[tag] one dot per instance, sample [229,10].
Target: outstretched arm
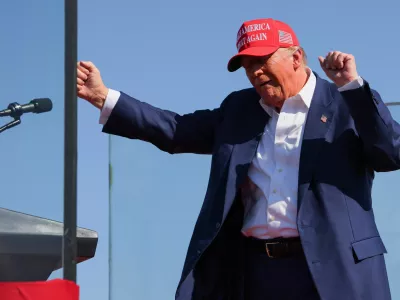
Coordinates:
[131,118]
[169,131]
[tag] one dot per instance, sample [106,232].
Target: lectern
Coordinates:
[31,246]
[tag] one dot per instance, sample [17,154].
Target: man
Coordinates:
[287,213]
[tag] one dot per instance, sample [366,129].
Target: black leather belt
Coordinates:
[276,248]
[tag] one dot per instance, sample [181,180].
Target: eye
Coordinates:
[250,63]
[246,62]
[260,60]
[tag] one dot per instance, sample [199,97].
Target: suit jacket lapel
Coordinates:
[319,120]
[248,137]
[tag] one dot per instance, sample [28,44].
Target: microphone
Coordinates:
[36,106]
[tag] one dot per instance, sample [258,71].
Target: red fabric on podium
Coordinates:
[56,289]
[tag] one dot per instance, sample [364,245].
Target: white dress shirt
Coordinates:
[270,195]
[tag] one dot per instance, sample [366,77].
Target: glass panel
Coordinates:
[387,207]
[152,217]
[156,197]
[32,66]
[153,212]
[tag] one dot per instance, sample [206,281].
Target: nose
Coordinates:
[257,72]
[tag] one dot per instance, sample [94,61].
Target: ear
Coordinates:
[297,59]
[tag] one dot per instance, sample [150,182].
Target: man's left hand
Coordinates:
[339,67]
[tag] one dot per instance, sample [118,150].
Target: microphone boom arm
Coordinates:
[11,124]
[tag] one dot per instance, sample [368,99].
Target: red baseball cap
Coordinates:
[261,37]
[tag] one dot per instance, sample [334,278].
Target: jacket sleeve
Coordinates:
[379,132]
[167,130]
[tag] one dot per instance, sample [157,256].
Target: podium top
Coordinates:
[13,222]
[26,234]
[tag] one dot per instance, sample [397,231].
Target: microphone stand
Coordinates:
[16,114]
[11,124]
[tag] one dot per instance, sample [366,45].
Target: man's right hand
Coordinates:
[90,86]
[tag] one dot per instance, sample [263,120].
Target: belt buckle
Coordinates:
[267,249]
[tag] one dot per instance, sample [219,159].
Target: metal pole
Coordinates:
[70,142]
[110,222]
[392,103]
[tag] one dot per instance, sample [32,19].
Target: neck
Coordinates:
[299,81]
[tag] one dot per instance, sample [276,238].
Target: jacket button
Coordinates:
[218,225]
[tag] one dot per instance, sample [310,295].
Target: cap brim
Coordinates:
[235,62]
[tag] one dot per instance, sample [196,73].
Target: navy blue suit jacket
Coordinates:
[343,248]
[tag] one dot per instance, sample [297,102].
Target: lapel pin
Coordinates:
[324,118]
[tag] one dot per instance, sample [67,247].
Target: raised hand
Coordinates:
[339,67]
[90,86]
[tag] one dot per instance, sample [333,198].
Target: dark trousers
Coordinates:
[268,278]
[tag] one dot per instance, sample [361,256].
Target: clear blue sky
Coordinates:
[172,54]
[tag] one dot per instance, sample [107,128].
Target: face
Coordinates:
[275,77]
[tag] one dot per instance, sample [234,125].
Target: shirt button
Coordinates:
[274,191]
[280,170]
